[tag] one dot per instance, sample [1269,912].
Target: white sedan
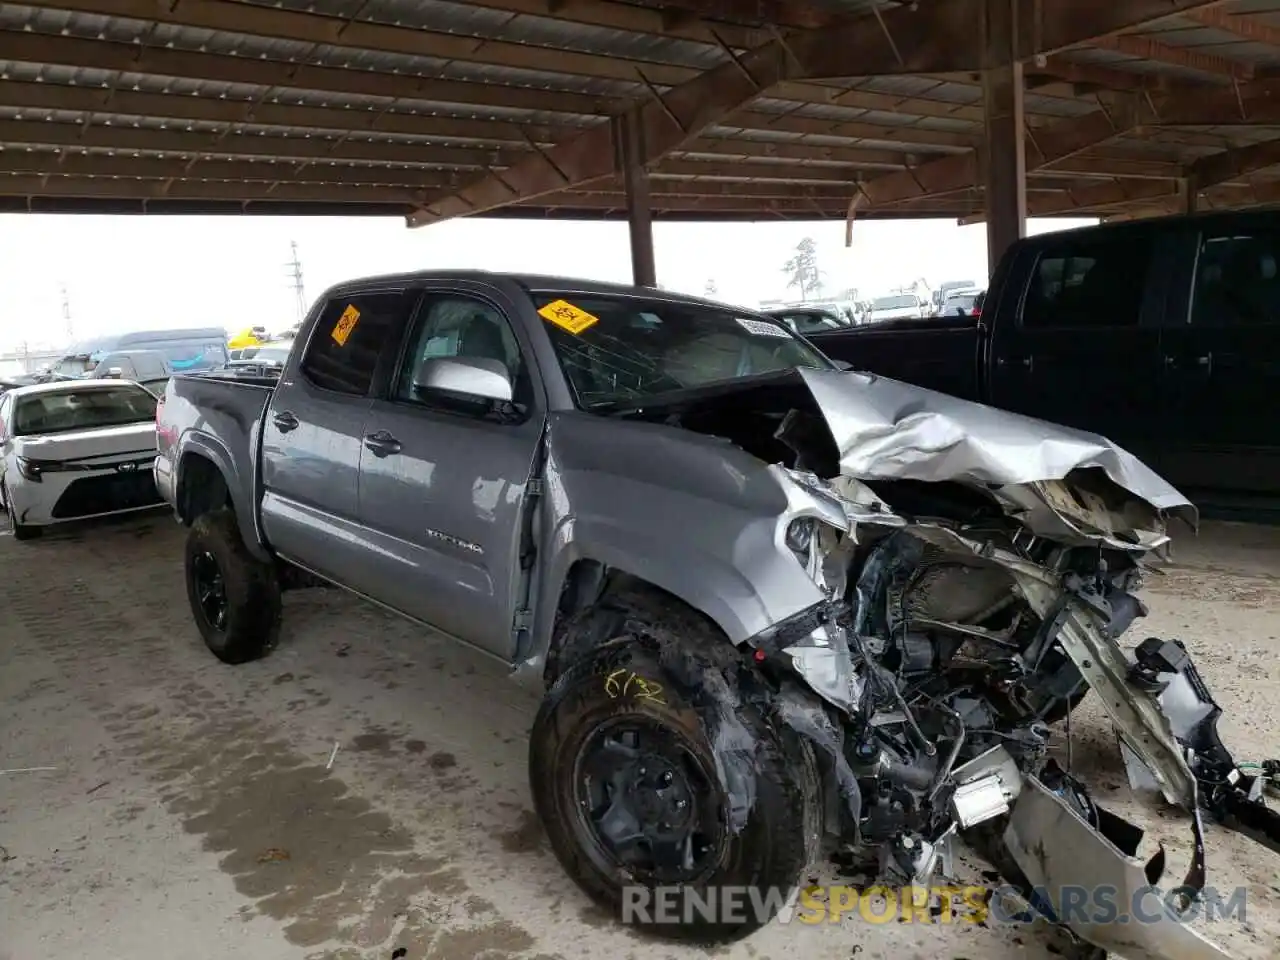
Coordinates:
[73,449]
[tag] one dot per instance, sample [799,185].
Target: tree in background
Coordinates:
[802,269]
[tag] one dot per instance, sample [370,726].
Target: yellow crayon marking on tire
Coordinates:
[623,681]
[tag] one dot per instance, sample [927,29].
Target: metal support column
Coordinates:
[1003,153]
[629,150]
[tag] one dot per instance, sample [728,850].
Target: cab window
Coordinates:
[349,337]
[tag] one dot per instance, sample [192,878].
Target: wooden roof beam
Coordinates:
[1148,48]
[1242,25]
[1230,164]
[1045,145]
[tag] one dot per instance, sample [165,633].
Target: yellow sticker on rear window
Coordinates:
[346,323]
[568,317]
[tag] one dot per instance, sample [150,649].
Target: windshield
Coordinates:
[615,348]
[894,303]
[87,408]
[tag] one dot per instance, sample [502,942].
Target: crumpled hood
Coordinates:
[888,430]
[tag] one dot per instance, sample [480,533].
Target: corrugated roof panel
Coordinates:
[825,111]
[782,163]
[1255,7]
[947,125]
[1108,58]
[1181,32]
[1246,51]
[764,136]
[958,93]
[1056,107]
[886,119]
[888,143]
[230,43]
[462,19]
[905,85]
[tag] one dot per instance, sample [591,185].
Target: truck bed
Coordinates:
[219,417]
[940,353]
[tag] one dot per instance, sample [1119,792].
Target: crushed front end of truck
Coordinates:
[973,573]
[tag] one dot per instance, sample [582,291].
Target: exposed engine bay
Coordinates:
[976,574]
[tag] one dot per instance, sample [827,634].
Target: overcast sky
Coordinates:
[145,272]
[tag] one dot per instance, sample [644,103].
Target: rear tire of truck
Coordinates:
[234,596]
[628,761]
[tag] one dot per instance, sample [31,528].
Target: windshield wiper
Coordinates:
[612,406]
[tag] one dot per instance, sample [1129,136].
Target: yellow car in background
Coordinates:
[248,337]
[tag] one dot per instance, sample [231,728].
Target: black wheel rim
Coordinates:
[647,807]
[211,590]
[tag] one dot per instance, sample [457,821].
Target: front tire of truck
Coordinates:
[234,596]
[663,789]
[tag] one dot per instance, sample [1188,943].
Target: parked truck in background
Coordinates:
[1163,335]
[943,290]
[895,307]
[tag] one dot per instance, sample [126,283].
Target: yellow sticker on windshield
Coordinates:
[346,323]
[568,317]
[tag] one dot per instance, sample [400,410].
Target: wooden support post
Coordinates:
[635,177]
[1190,187]
[1003,154]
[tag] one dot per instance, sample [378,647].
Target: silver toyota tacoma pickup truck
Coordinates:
[778,608]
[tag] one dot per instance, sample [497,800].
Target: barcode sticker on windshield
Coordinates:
[762,329]
[346,323]
[568,317]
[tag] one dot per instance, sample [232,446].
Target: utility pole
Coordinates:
[66,313]
[294,267]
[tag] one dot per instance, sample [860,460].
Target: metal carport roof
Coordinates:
[437,108]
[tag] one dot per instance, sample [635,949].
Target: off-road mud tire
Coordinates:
[703,678]
[252,587]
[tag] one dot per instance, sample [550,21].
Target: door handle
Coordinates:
[1028,362]
[381,443]
[285,421]
[1202,364]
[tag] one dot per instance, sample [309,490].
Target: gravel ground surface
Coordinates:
[191,810]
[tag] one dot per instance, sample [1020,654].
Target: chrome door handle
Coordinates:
[381,444]
[285,421]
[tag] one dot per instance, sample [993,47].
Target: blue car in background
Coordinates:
[190,350]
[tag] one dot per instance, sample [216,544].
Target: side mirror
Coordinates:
[843,364]
[470,376]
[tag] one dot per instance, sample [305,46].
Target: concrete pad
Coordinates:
[192,810]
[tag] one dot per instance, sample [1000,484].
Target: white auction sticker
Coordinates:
[762,329]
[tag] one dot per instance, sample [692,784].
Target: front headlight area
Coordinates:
[821,528]
[824,551]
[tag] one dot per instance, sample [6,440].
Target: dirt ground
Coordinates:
[191,809]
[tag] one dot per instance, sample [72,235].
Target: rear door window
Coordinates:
[1237,280]
[1096,282]
[349,337]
